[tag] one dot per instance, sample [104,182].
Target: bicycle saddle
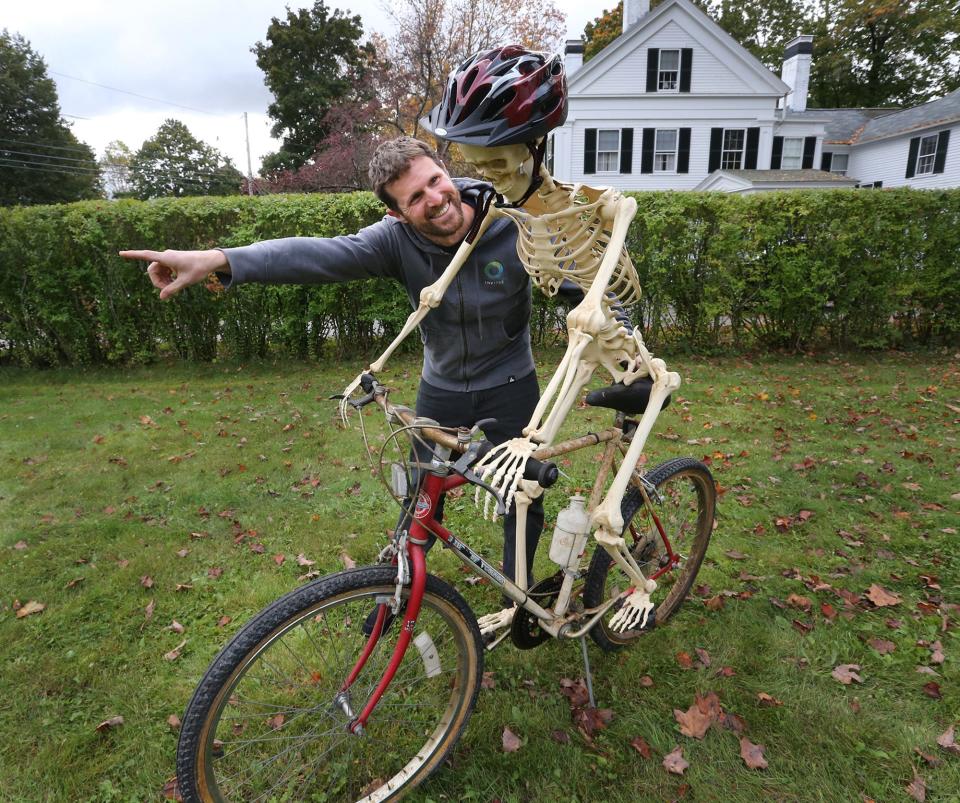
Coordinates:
[629,399]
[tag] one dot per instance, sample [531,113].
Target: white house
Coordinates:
[676,103]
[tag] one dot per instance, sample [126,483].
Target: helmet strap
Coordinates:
[480,212]
[537,151]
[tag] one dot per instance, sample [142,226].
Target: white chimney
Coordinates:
[796,71]
[572,56]
[632,11]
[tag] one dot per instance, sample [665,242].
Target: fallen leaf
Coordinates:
[510,741]
[928,759]
[733,722]
[214,572]
[828,611]
[733,554]
[797,601]
[174,722]
[488,681]
[575,691]
[917,789]
[175,652]
[768,699]
[258,548]
[882,646]
[947,741]
[31,607]
[148,611]
[146,581]
[646,681]
[590,720]
[171,790]
[348,562]
[303,560]
[685,661]
[704,656]
[725,672]
[20,545]
[882,598]
[639,744]
[223,621]
[279,558]
[847,673]
[275,722]
[693,722]
[176,627]
[714,603]
[107,724]
[560,737]
[674,761]
[936,653]
[752,754]
[932,690]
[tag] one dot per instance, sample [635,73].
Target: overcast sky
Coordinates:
[180,53]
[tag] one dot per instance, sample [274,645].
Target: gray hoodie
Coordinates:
[477,338]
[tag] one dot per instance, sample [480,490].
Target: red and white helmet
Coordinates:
[504,96]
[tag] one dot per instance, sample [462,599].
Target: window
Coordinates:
[731,157]
[838,164]
[792,158]
[608,150]
[926,155]
[668,74]
[665,151]
[548,154]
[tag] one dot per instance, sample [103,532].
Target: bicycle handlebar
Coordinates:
[542,472]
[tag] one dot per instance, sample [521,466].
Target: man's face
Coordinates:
[429,202]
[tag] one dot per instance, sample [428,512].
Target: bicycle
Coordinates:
[320,697]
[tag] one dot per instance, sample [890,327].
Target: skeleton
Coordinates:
[577,233]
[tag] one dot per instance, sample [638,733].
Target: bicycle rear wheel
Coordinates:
[685,510]
[268,723]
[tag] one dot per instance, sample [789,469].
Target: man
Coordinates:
[477,358]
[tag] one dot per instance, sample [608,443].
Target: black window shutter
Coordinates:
[809,146]
[653,64]
[753,145]
[776,156]
[626,150]
[877,185]
[683,151]
[826,160]
[590,151]
[940,160]
[716,148]
[646,152]
[912,157]
[686,67]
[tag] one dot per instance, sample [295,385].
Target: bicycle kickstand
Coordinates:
[586,670]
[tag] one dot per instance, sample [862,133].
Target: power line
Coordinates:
[44,145]
[69,170]
[134,94]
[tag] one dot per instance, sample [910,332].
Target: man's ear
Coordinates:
[398,215]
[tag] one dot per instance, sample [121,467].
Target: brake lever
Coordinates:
[462,467]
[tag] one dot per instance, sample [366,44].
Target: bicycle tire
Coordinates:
[685,486]
[289,662]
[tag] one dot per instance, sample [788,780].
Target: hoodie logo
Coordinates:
[493,272]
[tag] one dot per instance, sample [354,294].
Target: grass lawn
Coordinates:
[153,511]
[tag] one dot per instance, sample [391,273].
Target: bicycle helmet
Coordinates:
[503,96]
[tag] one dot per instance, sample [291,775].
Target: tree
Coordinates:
[602,31]
[174,163]
[312,61]
[41,161]
[432,37]
[115,169]
[873,53]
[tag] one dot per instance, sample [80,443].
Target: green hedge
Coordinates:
[772,270]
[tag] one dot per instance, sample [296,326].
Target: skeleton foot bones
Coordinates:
[503,468]
[634,614]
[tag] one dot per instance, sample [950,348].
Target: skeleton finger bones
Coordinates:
[345,398]
[503,468]
[634,614]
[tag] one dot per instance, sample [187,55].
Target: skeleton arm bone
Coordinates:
[430,298]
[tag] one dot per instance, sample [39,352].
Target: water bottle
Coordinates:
[570,534]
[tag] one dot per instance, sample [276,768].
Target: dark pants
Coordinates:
[511,405]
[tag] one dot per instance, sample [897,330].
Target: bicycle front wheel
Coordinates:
[269,720]
[683,507]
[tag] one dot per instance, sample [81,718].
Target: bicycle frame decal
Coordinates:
[423,506]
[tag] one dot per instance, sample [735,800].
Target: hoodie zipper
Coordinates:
[463,329]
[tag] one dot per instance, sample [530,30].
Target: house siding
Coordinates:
[886,161]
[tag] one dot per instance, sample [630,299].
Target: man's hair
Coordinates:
[391,160]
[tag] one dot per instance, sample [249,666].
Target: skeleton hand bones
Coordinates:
[503,468]
[635,612]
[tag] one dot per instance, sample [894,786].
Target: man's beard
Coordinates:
[446,229]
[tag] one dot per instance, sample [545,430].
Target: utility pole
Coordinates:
[246,130]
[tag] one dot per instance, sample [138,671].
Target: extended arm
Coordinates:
[170,271]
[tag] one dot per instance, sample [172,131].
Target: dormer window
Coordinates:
[668,72]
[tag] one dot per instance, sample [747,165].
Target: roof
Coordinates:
[934,112]
[745,180]
[841,126]
[626,42]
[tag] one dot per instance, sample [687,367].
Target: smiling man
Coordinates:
[477,358]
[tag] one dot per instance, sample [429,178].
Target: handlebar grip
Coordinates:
[542,472]
[367,381]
